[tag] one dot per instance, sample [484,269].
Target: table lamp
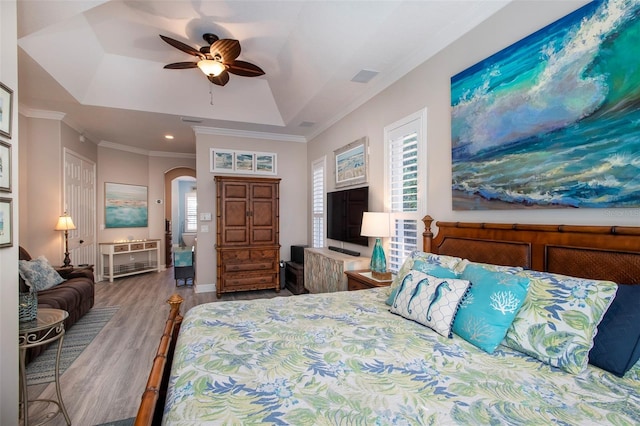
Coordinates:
[65,223]
[376,224]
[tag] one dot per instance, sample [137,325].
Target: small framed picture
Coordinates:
[351,163]
[265,163]
[6,104]
[244,162]
[5,167]
[221,160]
[6,221]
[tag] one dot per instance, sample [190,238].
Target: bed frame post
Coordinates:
[427,235]
[152,404]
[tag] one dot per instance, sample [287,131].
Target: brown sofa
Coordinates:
[75,295]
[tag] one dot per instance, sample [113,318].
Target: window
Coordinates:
[317,182]
[191,212]
[405,184]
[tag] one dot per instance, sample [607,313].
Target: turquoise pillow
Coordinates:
[490,306]
[428,268]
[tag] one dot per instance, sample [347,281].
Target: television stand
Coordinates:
[324,269]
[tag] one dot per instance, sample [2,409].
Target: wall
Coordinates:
[43,142]
[427,86]
[9,256]
[120,166]
[291,168]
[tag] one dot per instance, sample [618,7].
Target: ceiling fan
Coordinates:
[216,60]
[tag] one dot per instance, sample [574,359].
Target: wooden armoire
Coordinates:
[248,236]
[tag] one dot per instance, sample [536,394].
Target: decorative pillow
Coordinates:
[460,267]
[616,347]
[39,274]
[429,300]
[433,264]
[490,306]
[558,320]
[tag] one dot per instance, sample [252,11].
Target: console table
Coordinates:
[324,269]
[122,258]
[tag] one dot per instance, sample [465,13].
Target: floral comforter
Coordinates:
[343,358]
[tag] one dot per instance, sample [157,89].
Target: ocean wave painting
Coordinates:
[554,119]
[125,206]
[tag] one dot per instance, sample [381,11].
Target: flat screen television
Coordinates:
[344,215]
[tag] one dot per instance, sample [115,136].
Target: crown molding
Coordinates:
[219,131]
[134,150]
[40,113]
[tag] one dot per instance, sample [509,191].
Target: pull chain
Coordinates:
[211,92]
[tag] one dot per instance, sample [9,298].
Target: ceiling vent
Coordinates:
[364,76]
[190,120]
[307,124]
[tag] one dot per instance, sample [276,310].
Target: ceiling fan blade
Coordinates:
[228,49]
[181,65]
[181,46]
[244,69]
[220,80]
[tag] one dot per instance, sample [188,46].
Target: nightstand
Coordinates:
[362,279]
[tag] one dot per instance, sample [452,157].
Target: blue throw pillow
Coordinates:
[616,347]
[429,269]
[39,274]
[490,306]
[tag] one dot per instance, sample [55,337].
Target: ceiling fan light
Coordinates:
[211,67]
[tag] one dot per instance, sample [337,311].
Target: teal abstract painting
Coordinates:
[125,206]
[554,119]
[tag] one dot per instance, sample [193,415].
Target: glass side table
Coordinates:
[47,327]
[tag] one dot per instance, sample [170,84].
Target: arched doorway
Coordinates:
[169,207]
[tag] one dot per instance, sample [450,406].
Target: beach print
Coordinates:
[125,206]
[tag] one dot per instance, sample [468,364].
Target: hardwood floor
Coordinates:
[106,381]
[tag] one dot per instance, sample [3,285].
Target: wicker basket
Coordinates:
[28,306]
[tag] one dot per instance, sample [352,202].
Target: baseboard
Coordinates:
[204,288]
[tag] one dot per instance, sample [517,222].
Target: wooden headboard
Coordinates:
[596,252]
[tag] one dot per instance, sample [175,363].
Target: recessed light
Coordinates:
[170,137]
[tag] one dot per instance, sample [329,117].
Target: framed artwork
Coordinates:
[6,221]
[552,120]
[6,103]
[351,163]
[244,162]
[265,163]
[126,206]
[221,160]
[5,167]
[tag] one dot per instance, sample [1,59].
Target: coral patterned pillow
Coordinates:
[490,306]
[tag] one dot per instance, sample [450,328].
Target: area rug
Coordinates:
[76,339]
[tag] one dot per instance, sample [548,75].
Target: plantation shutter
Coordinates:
[318,208]
[191,213]
[404,198]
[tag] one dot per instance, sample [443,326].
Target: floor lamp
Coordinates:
[65,223]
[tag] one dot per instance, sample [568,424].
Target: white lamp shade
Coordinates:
[211,67]
[65,223]
[375,224]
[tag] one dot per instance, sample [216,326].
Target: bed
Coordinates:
[357,358]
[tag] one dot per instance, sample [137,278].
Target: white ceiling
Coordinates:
[100,63]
